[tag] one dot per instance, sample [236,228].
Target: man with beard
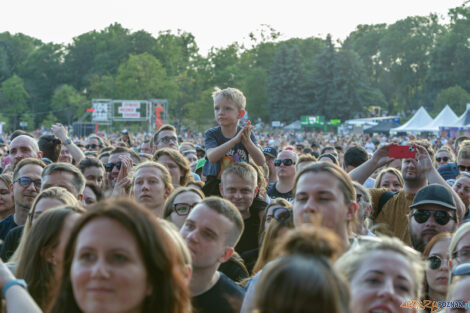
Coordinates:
[433,211]
[392,209]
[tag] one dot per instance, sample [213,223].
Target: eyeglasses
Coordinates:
[286,162]
[441,217]
[93,146]
[168,139]
[26,181]
[183,209]
[443,159]
[435,262]
[462,255]
[280,214]
[109,166]
[464,168]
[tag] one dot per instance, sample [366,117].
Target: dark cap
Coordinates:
[124,131]
[272,152]
[434,194]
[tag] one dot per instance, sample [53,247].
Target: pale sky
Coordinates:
[213,22]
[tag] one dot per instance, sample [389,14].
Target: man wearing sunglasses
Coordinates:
[417,173]
[26,185]
[462,188]
[285,171]
[433,211]
[120,163]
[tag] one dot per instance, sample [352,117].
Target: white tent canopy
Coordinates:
[446,118]
[464,120]
[416,123]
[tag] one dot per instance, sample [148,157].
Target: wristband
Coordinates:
[19,282]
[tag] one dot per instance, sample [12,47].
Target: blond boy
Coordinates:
[228,143]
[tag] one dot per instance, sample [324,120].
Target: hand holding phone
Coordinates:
[402,152]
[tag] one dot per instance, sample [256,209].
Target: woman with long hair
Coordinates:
[41,260]
[119,259]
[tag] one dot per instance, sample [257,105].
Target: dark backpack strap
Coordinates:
[383,199]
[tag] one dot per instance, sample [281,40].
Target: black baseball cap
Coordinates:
[434,194]
[272,152]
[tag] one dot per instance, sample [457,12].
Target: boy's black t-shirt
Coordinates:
[238,153]
[224,297]
[249,238]
[6,225]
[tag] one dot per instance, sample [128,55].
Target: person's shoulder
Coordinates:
[229,286]
[213,130]
[6,220]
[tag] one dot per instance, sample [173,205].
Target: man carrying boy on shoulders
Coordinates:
[228,143]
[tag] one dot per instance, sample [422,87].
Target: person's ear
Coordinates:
[227,254]
[149,290]
[352,209]
[221,189]
[451,265]
[241,114]
[40,155]
[80,197]
[167,193]
[11,188]
[187,274]
[256,190]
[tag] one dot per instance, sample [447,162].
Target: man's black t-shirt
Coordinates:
[224,297]
[6,225]
[273,193]
[11,243]
[249,238]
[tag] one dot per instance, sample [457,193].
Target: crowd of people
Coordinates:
[235,220]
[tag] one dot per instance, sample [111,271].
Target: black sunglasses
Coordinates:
[93,146]
[444,159]
[183,209]
[286,162]
[441,217]
[435,262]
[464,168]
[109,166]
[26,181]
[279,214]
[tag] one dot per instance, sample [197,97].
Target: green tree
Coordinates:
[339,87]
[451,55]
[143,77]
[28,119]
[456,97]
[49,120]
[68,104]
[404,53]
[284,85]
[13,98]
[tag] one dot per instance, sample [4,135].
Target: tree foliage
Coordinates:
[419,60]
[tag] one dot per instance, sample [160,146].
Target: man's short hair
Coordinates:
[50,146]
[134,156]
[169,127]
[355,156]
[323,151]
[24,162]
[78,180]
[90,162]
[241,169]
[230,211]
[233,94]
[424,143]
[19,132]
[100,140]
